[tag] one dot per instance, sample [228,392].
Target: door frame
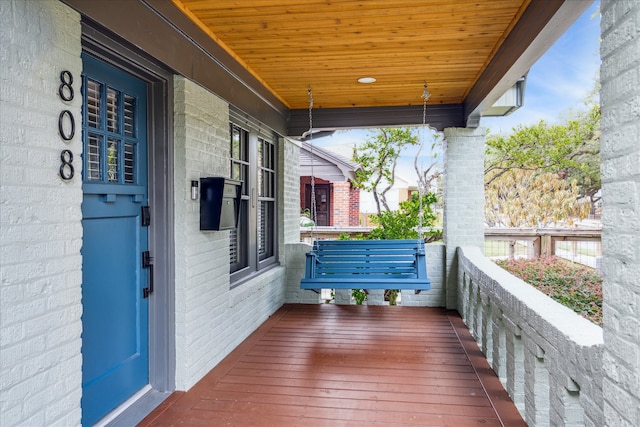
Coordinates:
[308,195]
[162,360]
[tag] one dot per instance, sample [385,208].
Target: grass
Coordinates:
[573,285]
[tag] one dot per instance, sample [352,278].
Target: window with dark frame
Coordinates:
[253,160]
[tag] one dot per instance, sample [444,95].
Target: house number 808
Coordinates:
[66,93]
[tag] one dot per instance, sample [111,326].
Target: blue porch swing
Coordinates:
[364,264]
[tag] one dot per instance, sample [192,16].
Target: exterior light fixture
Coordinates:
[366,80]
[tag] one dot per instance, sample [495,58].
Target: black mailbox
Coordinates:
[219,203]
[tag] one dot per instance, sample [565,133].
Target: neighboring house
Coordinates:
[337,201]
[111,113]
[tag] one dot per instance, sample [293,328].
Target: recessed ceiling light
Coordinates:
[366,80]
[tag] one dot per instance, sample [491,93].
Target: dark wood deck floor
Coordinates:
[332,365]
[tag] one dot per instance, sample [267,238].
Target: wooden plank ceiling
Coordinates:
[291,45]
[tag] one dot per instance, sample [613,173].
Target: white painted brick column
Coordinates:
[536,383]
[343,297]
[295,267]
[40,217]
[515,363]
[292,251]
[463,199]
[620,149]
[376,297]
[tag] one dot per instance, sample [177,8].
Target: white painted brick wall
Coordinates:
[40,218]
[533,339]
[290,177]
[463,198]
[211,319]
[620,149]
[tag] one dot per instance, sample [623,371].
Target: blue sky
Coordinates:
[561,79]
[557,83]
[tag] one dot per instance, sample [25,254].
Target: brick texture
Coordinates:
[620,149]
[345,201]
[548,358]
[40,228]
[463,198]
[211,318]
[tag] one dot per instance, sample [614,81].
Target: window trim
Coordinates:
[252,199]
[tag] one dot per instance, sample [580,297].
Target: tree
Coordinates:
[430,173]
[525,198]
[378,158]
[560,161]
[587,174]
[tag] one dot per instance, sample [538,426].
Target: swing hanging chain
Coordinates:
[425,96]
[314,208]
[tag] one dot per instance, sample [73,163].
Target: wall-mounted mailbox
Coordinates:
[219,203]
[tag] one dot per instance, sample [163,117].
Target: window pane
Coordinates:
[113,124]
[233,247]
[235,142]
[112,160]
[236,171]
[265,230]
[93,104]
[238,241]
[129,163]
[94,165]
[129,116]
[265,177]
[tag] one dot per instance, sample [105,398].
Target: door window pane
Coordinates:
[112,160]
[129,116]
[113,124]
[110,151]
[92,153]
[129,162]
[93,104]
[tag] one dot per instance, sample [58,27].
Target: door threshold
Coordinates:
[134,409]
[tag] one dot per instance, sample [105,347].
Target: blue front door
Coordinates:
[115,312]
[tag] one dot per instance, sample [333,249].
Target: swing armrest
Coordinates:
[310,267]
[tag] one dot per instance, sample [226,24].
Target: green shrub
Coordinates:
[573,285]
[404,223]
[360,295]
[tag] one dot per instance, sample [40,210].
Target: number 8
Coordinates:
[66,168]
[67,81]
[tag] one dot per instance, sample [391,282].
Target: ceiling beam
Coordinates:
[438,116]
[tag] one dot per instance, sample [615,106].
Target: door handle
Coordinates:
[147,262]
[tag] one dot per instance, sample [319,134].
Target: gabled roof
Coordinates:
[322,163]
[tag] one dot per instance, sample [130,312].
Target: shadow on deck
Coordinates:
[333,365]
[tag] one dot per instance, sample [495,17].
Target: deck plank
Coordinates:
[330,365]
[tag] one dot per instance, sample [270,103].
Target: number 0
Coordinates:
[67,135]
